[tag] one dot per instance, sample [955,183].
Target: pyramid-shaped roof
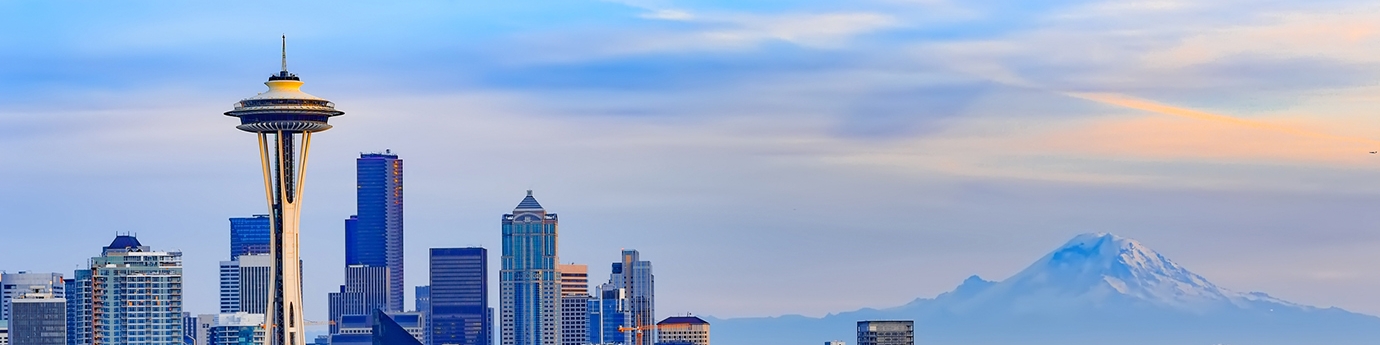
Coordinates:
[124,241]
[528,203]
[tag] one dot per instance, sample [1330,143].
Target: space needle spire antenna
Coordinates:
[284,118]
[284,53]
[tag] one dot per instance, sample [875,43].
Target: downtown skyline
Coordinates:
[685,160]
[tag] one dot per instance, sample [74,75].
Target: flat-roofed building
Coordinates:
[688,330]
[889,332]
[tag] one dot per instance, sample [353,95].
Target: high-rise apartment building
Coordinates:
[634,277]
[38,318]
[250,235]
[682,330]
[574,304]
[135,296]
[530,287]
[886,332]
[459,297]
[14,284]
[365,290]
[374,236]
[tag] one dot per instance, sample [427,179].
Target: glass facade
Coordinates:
[529,282]
[459,297]
[250,235]
[374,236]
[634,276]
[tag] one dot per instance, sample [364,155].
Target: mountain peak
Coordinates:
[1102,265]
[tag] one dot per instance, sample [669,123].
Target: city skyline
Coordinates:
[1236,143]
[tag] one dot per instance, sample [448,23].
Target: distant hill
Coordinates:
[1097,289]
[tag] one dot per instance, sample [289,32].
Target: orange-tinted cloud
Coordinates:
[1204,138]
[1159,108]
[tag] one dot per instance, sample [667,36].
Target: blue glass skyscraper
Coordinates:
[374,237]
[250,235]
[459,303]
[530,285]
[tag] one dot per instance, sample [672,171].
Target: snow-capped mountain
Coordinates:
[1092,270]
[1095,289]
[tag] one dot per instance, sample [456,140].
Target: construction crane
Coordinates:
[639,330]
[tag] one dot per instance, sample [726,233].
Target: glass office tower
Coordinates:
[374,236]
[459,297]
[529,282]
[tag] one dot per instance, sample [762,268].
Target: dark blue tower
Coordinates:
[459,297]
[250,235]
[374,237]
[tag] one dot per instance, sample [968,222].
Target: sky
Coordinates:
[769,157]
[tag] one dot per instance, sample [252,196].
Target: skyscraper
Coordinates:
[634,277]
[374,236]
[250,235]
[284,118]
[38,318]
[574,304]
[365,289]
[886,332]
[14,284]
[136,295]
[459,292]
[530,287]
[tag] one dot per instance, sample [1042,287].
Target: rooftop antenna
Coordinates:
[284,53]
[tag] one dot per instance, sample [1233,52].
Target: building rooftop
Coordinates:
[679,320]
[125,242]
[528,203]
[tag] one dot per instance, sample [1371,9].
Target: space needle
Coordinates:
[284,118]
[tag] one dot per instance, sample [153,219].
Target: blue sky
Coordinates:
[770,157]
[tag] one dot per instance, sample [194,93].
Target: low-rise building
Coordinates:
[686,330]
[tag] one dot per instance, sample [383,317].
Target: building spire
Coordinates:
[285,53]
